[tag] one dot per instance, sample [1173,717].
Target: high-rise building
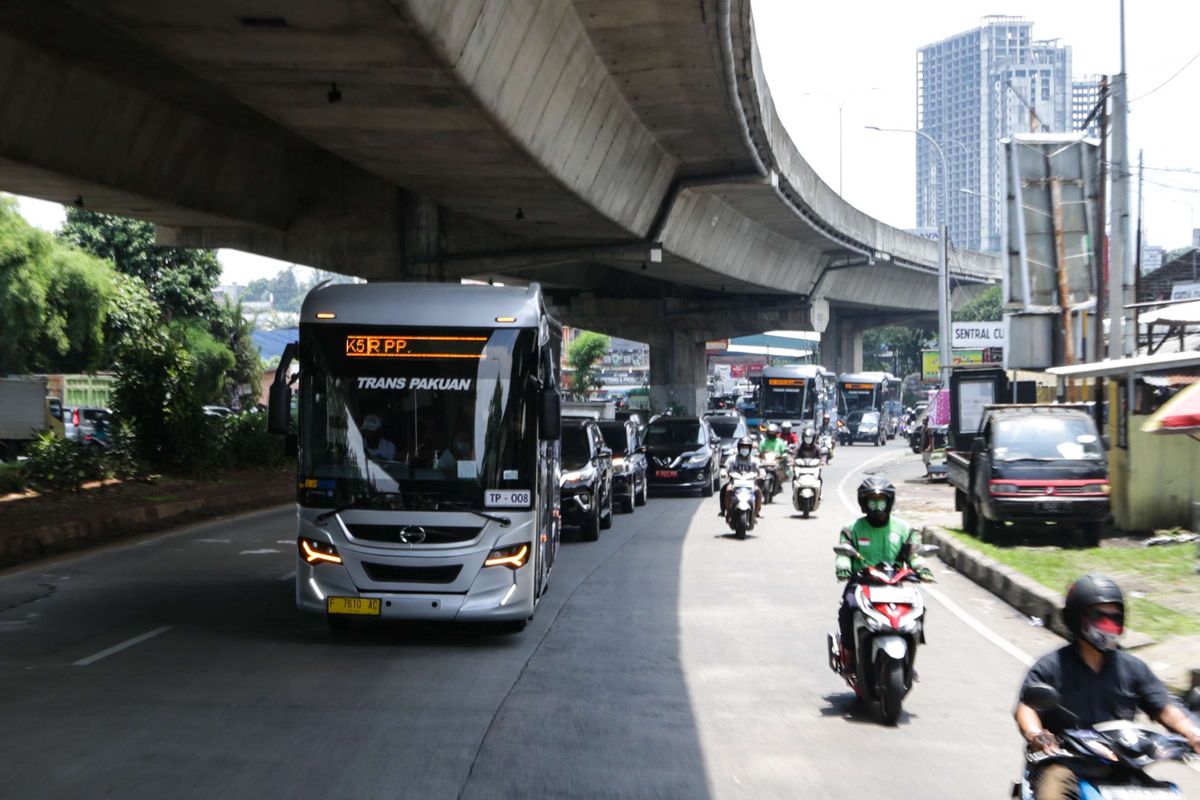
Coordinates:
[974,90]
[1085,95]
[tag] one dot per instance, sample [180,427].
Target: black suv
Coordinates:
[683,453]
[629,463]
[586,479]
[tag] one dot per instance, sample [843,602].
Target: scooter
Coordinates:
[806,485]
[774,473]
[1122,748]
[739,510]
[827,445]
[888,626]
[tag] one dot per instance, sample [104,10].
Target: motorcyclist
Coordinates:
[826,425]
[808,445]
[880,538]
[742,460]
[787,434]
[772,443]
[1097,680]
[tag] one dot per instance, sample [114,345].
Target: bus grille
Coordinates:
[412,534]
[387,573]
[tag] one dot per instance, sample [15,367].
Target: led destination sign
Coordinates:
[387,346]
[785,381]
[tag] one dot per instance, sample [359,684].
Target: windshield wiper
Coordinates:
[1032,458]
[353,502]
[504,521]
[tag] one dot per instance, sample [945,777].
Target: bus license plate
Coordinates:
[667,473]
[506,498]
[363,606]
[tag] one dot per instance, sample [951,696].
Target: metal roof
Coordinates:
[1126,366]
[1179,314]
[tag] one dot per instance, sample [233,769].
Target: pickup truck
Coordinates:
[1032,464]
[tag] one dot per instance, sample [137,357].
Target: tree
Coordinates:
[586,349]
[54,301]
[180,279]
[903,343]
[987,307]
[233,331]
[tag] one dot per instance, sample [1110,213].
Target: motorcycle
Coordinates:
[827,444]
[774,474]
[806,485]
[888,626]
[1120,749]
[739,509]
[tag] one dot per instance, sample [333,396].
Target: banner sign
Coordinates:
[931,363]
[976,334]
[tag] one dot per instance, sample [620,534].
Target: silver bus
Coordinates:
[428,453]
[793,394]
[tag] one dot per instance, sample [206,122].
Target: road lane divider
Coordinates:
[125,645]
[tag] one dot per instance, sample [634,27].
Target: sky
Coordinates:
[814,52]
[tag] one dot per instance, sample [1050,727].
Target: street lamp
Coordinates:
[841,104]
[943,267]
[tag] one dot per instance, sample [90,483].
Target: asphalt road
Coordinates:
[667,660]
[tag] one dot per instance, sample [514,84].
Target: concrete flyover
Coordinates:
[625,153]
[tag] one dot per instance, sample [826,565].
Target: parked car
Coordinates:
[729,427]
[863,426]
[586,480]
[79,422]
[628,463]
[1032,464]
[683,453]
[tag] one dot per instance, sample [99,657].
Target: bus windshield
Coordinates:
[785,398]
[859,396]
[419,417]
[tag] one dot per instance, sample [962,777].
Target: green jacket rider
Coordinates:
[879,538]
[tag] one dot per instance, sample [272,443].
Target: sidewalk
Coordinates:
[931,506]
[40,526]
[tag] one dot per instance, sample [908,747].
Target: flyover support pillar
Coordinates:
[678,371]
[842,347]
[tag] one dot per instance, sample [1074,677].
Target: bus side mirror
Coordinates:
[550,415]
[279,408]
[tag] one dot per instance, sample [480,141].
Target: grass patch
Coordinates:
[1164,574]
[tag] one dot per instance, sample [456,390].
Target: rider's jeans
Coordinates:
[846,616]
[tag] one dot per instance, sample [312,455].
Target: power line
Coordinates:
[1168,80]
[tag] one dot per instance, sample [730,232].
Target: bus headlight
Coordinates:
[315,552]
[513,557]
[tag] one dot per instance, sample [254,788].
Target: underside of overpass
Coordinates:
[626,154]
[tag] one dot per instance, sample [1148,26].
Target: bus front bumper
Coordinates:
[498,594]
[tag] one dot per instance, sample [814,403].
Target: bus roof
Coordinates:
[443,305]
[865,377]
[793,371]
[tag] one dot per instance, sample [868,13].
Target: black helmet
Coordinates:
[876,486]
[1090,590]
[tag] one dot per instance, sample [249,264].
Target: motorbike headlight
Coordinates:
[806,492]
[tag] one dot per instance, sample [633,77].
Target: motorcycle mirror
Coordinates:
[1041,697]
[843,549]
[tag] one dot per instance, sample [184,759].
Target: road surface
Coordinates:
[667,660]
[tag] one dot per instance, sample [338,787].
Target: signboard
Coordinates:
[755,370]
[1185,291]
[716,345]
[785,382]
[737,370]
[976,334]
[931,363]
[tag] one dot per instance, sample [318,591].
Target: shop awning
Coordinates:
[1160,362]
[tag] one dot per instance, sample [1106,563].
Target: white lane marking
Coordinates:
[261,552]
[979,627]
[946,602]
[116,648]
[853,507]
[288,576]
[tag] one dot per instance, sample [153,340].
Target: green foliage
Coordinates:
[228,328]
[987,307]
[904,343]
[210,360]
[586,349]
[121,458]
[246,443]
[54,301]
[56,464]
[12,477]
[181,280]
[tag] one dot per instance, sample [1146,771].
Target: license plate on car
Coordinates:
[363,606]
[667,473]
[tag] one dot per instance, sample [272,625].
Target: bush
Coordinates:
[56,464]
[12,478]
[121,458]
[246,443]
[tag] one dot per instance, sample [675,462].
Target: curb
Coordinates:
[24,546]
[1022,593]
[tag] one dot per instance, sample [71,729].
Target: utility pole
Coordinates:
[1101,265]
[1137,272]
[1119,221]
